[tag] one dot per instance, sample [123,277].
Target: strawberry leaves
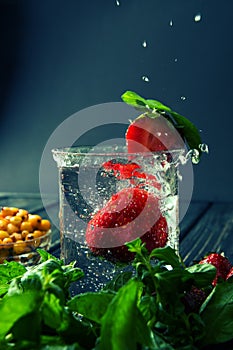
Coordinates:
[184,126]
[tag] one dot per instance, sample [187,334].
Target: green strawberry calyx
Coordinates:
[188,131]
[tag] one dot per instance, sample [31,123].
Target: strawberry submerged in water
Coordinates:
[130,213]
[222,264]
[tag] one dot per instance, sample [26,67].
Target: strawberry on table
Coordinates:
[221,263]
[130,213]
[230,274]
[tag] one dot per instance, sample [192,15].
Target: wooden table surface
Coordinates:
[207,226]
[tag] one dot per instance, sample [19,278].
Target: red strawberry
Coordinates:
[193,299]
[130,213]
[221,263]
[130,170]
[152,132]
[230,274]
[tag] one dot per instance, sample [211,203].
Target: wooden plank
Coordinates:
[29,201]
[212,232]
[195,211]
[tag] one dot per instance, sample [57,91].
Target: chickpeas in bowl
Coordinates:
[21,233]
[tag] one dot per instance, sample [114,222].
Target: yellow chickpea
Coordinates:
[7,240]
[16,236]
[35,220]
[33,240]
[9,211]
[26,225]
[29,237]
[11,228]
[38,233]
[3,234]
[19,247]
[16,220]
[45,225]
[24,234]
[3,224]
[23,213]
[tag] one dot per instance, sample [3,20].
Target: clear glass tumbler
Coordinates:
[117,196]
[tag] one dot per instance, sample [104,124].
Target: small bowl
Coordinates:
[25,252]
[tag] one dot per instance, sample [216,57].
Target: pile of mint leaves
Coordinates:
[139,309]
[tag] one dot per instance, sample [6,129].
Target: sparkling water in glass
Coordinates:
[86,184]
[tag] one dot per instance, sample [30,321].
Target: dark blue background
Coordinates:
[60,56]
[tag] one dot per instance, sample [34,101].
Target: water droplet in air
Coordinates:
[183,98]
[145,78]
[197,17]
[204,148]
[171,23]
[144,44]
[194,155]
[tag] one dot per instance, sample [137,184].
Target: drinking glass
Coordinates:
[88,178]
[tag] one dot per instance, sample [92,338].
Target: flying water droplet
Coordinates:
[194,155]
[144,44]
[145,78]
[171,23]
[204,148]
[197,17]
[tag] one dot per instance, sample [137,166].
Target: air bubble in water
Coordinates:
[117,2]
[204,148]
[171,23]
[176,59]
[183,98]
[145,78]
[197,17]
[144,44]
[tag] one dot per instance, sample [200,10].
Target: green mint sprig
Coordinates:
[144,309]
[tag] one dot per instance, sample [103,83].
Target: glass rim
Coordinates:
[83,151]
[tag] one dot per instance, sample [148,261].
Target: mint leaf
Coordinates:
[166,255]
[218,315]
[92,305]
[14,307]
[184,126]
[9,270]
[123,326]
[203,274]
[134,100]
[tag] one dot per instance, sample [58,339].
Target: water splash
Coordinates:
[144,44]
[204,148]
[194,155]
[197,17]
[171,23]
[145,78]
